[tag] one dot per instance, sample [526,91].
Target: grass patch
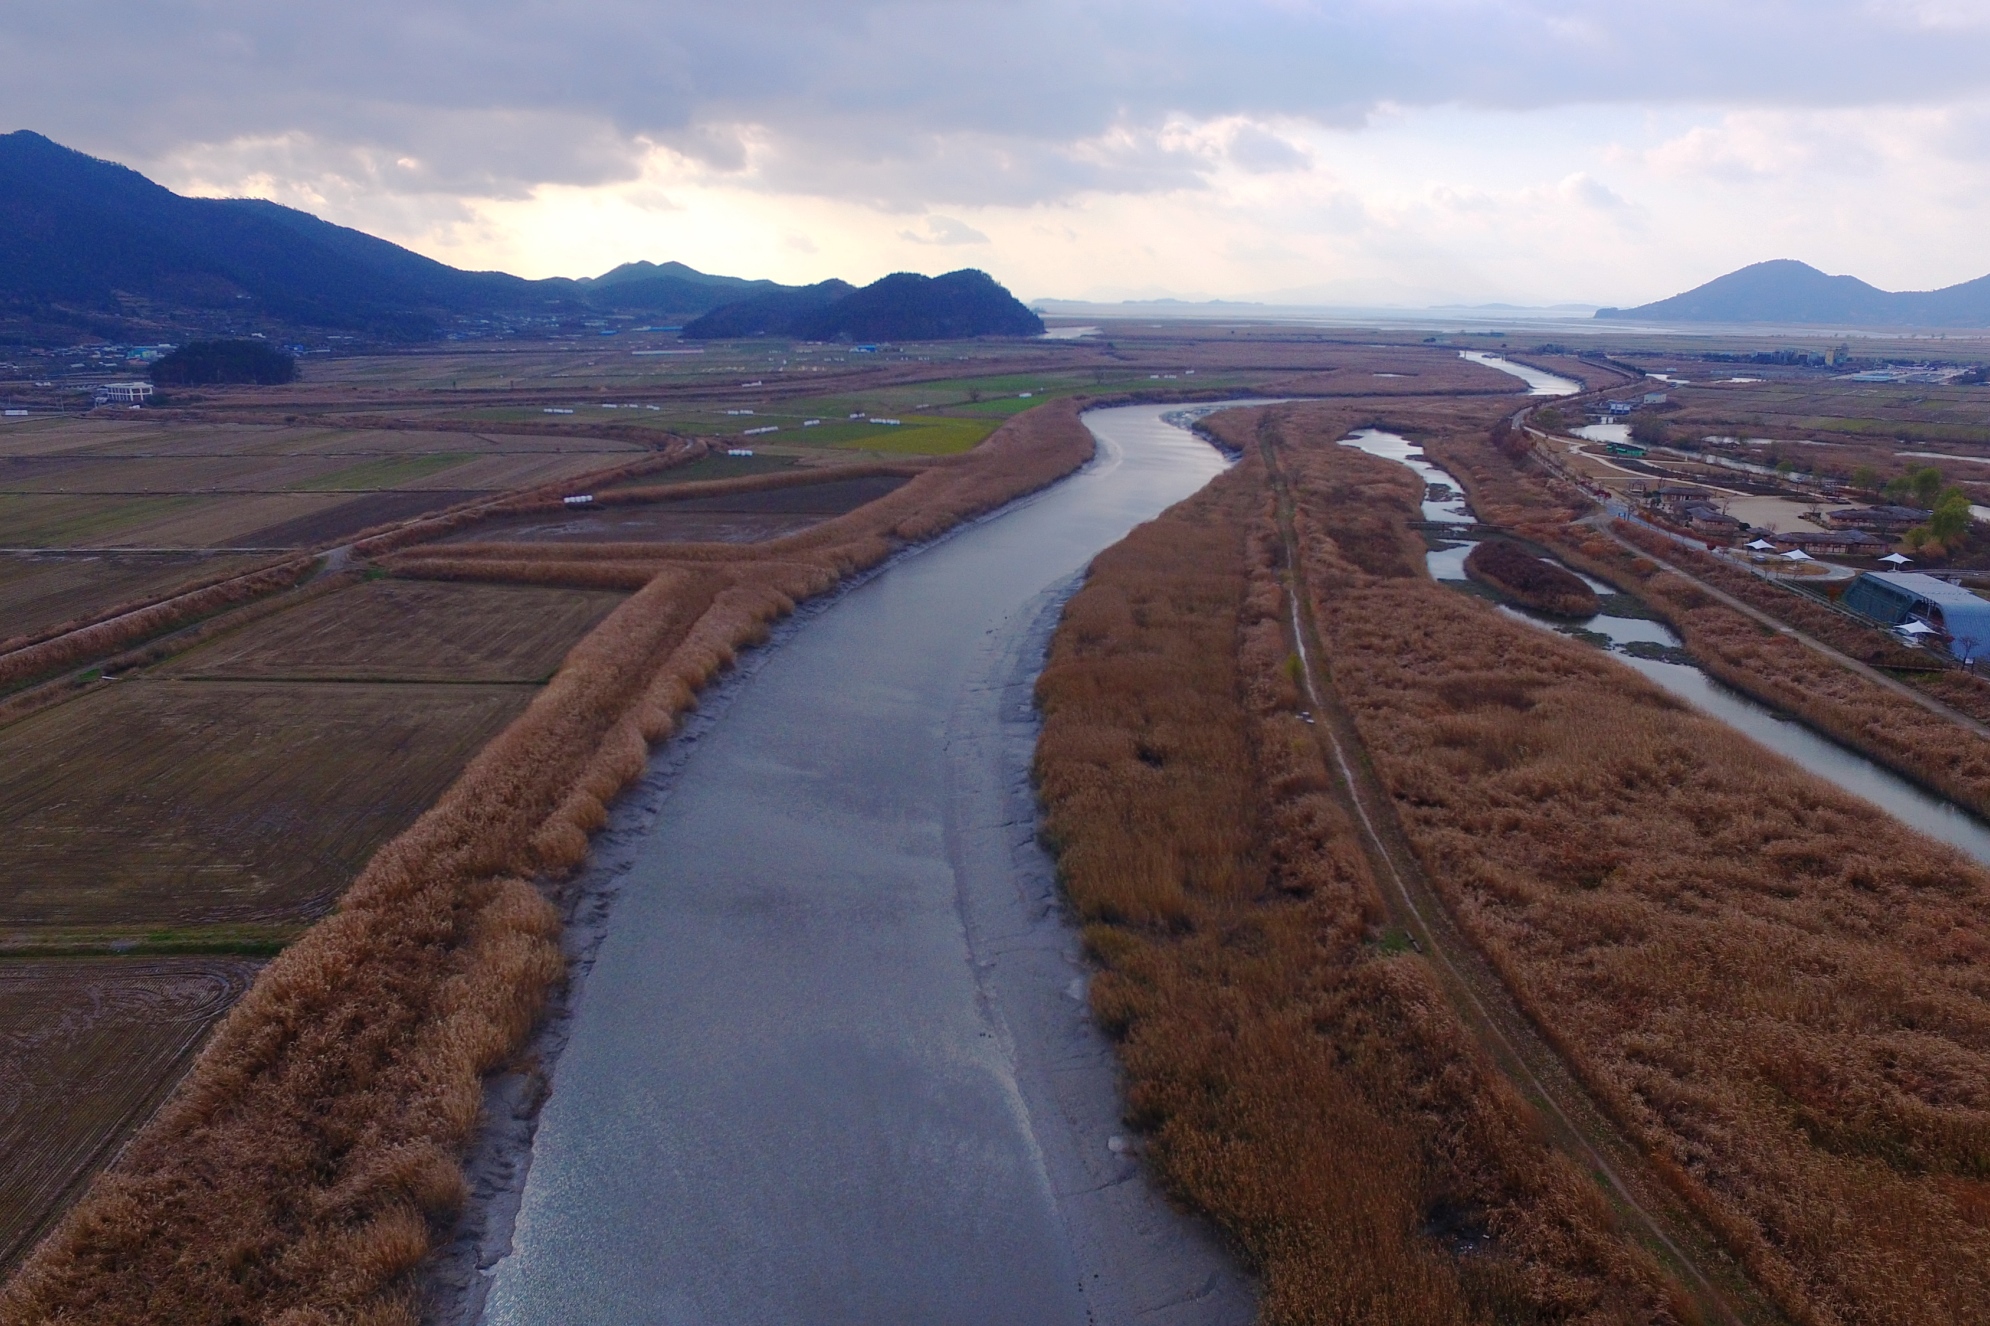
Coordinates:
[927,437]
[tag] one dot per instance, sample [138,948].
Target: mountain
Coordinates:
[778,313]
[669,286]
[93,247]
[1786,291]
[904,306]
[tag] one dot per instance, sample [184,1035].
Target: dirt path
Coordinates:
[1811,642]
[1569,1115]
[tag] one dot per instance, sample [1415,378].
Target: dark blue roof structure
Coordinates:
[1892,597]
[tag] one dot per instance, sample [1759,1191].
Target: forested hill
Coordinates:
[901,307]
[1785,291]
[89,247]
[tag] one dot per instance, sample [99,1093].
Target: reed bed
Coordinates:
[1776,988]
[1888,728]
[311,1158]
[1299,1078]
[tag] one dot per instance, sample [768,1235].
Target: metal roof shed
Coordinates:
[1892,597]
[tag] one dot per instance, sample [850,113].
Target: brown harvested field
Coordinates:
[306,448]
[341,471]
[319,526]
[396,630]
[87,1048]
[1780,991]
[39,591]
[1298,1072]
[190,520]
[174,802]
[752,516]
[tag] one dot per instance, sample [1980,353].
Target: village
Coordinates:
[1854,543]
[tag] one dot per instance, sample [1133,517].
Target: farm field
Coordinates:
[739,517]
[408,631]
[105,1038]
[42,591]
[151,802]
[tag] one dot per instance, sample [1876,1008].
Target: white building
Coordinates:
[127,393]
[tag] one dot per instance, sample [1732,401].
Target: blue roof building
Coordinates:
[1893,597]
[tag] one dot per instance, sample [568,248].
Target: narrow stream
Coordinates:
[1653,649]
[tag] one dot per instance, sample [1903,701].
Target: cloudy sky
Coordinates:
[1388,151]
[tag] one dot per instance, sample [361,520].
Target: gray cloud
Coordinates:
[902,104]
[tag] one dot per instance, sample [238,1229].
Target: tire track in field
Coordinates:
[1576,1124]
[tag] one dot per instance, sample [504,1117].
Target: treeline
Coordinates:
[207,363]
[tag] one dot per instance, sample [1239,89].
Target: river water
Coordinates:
[1850,771]
[1538,382]
[833,1062]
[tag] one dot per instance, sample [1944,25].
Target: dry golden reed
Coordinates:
[1306,1086]
[1781,992]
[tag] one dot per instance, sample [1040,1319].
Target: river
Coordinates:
[1854,773]
[833,1061]
[1538,382]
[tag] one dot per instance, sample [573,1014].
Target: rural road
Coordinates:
[833,1062]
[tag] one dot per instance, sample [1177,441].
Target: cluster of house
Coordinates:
[1854,531]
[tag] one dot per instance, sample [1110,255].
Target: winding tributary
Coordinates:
[833,1062]
[1939,819]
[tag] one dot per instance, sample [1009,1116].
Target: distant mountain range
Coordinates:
[92,248]
[902,307]
[1785,291]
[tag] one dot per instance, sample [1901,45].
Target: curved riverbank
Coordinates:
[833,1060]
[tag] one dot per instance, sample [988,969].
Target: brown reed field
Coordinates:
[1778,990]
[310,1159]
[1887,727]
[1298,1073]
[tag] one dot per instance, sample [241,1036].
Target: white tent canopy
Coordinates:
[1761,545]
[1896,559]
[1796,555]
[1912,627]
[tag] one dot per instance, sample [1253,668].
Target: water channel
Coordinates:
[1539,383]
[1643,644]
[833,1061]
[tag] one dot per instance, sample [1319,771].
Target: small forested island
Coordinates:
[1512,571]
